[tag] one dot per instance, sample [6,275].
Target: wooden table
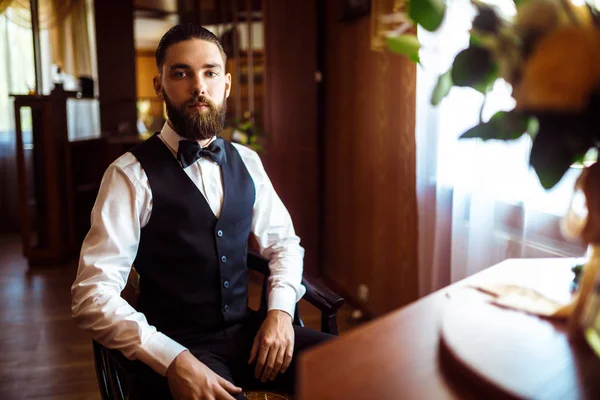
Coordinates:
[401,356]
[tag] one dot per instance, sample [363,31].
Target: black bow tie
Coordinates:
[189,152]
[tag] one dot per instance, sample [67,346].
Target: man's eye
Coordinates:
[212,74]
[180,74]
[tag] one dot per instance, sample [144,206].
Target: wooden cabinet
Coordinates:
[58,187]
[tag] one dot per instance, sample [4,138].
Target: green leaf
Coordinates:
[577,270]
[560,141]
[475,40]
[427,13]
[407,45]
[533,127]
[503,125]
[474,67]
[442,88]
[245,126]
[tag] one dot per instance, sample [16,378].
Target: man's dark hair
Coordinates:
[183,32]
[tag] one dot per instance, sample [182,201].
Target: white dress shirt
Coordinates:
[123,207]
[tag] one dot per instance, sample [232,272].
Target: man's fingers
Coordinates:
[262,359]
[222,394]
[254,350]
[230,387]
[270,365]
[278,364]
[289,354]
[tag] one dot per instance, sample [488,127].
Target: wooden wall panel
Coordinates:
[291,157]
[145,65]
[116,66]
[370,168]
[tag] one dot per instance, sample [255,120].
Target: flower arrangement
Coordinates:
[548,51]
[245,131]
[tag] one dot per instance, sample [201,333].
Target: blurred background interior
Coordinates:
[388,209]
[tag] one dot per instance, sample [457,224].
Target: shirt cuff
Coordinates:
[283,299]
[159,351]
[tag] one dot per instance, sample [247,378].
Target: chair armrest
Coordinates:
[317,294]
[131,291]
[321,296]
[258,262]
[113,372]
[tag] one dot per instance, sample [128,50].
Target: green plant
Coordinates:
[246,132]
[549,52]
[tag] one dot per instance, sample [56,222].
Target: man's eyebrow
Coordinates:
[188,67]
[179,66]
[211,66]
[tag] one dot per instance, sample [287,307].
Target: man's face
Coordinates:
[194,86]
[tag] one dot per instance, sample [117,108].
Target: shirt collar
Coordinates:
[172,138]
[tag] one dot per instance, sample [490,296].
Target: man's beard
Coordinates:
[193,124]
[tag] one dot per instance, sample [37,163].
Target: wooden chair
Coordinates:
[114,370]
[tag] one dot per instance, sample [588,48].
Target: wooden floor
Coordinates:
[43,355]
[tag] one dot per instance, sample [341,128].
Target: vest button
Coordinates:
[220,233]
[226,284]
[223,259]
[226,308]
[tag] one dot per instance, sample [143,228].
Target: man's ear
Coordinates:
[158,87]
[227,84]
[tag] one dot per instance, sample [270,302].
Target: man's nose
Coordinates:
[199,85]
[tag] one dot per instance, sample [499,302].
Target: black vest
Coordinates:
[192,266]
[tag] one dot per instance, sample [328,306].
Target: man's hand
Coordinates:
[189,379]
[274,346]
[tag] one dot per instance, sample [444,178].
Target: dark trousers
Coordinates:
[226,353]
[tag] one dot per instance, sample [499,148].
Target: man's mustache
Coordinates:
[198,99]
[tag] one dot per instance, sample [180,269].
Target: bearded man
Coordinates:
[181,207]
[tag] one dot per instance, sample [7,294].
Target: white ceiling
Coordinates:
[148,31]
[164,5]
